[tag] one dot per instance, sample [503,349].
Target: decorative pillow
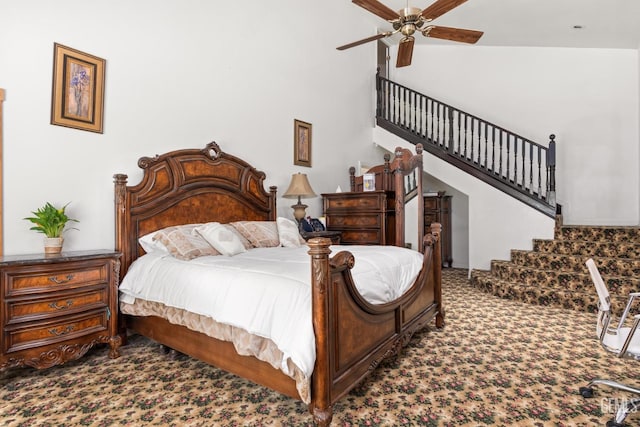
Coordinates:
[183,243]
[288,233]
[149,245]
[247,244]
[261,234]
[221,238]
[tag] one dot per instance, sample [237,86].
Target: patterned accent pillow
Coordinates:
[182,243]
[224,239]
[247,244]
[288,233]
[261,234]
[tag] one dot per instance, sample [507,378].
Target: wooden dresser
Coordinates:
[437,208]
[56,307]
[363,218]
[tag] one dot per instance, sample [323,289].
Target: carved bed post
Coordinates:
[420,192]
[352,179]
[122,226]
[398,177]
[320,406]
[436,229]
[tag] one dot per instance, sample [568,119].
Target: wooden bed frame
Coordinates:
[352,336]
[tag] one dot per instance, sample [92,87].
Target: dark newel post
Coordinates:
[551,171]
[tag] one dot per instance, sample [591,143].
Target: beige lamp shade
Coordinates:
[299,187]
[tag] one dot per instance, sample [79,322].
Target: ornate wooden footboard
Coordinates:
[352,336]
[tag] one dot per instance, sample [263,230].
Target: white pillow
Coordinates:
[149,245]
[288,233]
[221,238]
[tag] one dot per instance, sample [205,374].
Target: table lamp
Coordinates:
[299,187]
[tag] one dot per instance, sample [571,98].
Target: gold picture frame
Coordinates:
[301,143]
[77,99]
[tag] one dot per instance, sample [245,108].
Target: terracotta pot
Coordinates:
[52,245]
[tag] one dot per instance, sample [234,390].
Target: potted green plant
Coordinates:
[51,221]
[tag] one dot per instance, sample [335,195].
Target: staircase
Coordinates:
[509,162]
[554,272]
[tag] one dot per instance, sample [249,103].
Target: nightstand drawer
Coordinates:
[35,309]
[19,282]
[50,332]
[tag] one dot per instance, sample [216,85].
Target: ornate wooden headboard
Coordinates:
[184,187]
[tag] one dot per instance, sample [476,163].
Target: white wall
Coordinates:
[178,75]
[588,98]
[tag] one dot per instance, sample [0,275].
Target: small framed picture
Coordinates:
[301,143]
[368,182]
[78,89]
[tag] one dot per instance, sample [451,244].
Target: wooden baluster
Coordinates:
[515,159]
[500,132]
[485,145]
[530,168]
[493,149]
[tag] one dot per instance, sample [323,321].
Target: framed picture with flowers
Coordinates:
[301,143]
[78,89]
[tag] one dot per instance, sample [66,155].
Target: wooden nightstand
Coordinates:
[335,236]
[55,308]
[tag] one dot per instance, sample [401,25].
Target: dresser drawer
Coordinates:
[26,310]
[430,218]
[364,201]
[372,220]
[430,203]
[29,280]
[361,237]
[27,335]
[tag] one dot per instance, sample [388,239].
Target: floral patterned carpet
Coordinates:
[496,362]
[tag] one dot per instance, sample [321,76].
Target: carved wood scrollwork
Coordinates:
[212,150]
[145,162]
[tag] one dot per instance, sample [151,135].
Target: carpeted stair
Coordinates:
[554,272]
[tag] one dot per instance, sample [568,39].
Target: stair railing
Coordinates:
[509,162]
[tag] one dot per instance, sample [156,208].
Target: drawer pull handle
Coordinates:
[59,332]
[57,281]
[61,307]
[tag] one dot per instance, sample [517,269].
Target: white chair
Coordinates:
[621,340]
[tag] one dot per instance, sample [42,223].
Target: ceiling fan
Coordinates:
[410,20]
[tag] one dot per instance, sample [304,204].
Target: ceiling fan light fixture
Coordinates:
[408,29]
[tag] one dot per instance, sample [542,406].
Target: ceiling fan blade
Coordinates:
[363,41]
[454,34]
[440,7]
[377,8]
[405,52]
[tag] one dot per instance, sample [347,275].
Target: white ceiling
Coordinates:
[541,23]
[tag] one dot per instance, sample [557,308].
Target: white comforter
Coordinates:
[265,291]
